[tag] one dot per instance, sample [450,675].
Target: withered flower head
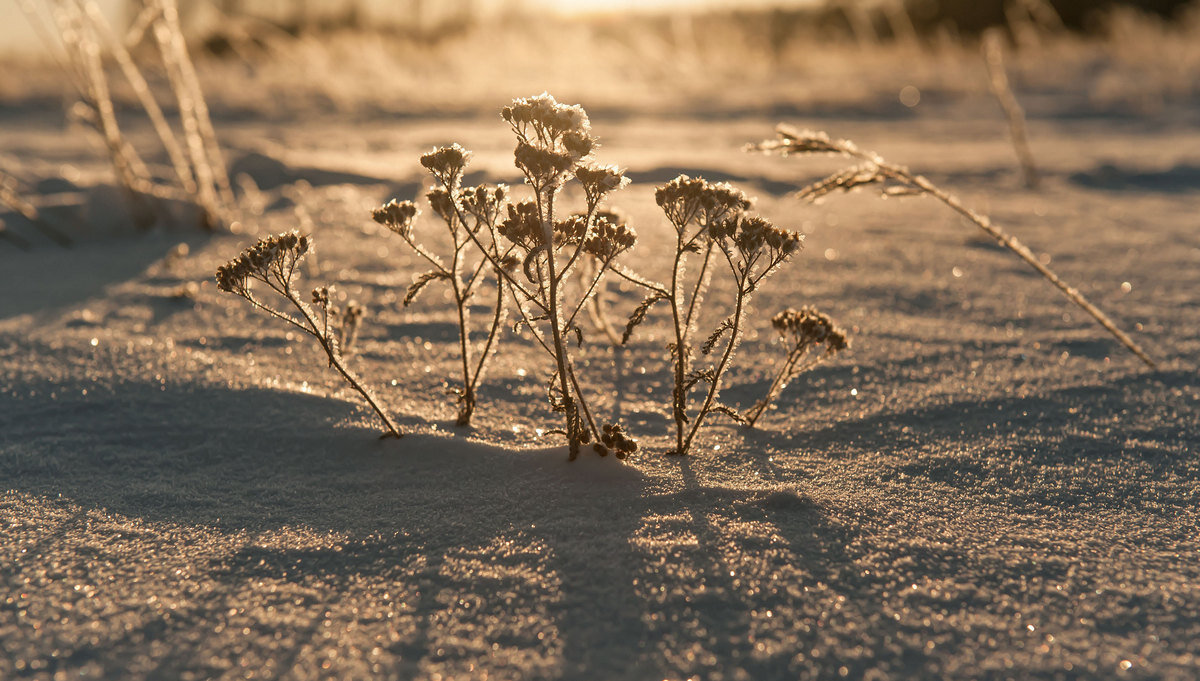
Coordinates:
[751,233]
[570,230]
[598,180]
[680,199]
[482,201]
[522,226]
[810,326]
[398,216]
[551,137]
[441,203]
[719,199]
[447,163]
[320,296]
[542,165]
[609,238]
[280,252]
[543,116]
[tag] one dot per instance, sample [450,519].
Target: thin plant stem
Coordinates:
[335,360]
[993,59]
[715,386]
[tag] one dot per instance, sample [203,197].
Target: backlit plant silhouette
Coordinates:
[550,263]
[804,332]
[710,221]
[466,213]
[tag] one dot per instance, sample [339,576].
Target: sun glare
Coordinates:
[614,6]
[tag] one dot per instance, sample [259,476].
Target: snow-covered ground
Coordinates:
[985,486]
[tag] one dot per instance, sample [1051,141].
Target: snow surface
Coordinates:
[985,486]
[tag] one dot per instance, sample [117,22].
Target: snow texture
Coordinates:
[985,487]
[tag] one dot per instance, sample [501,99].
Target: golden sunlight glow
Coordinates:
[611,6]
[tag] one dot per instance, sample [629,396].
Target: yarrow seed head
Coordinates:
[609,238]
[522,226]
[687,199]
[281,252]
[751,233]
[598,180]
[441,203]
[447,163]
[810,326]
[398,216]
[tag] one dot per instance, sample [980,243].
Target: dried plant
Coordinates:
[993,58]
[273,262]
[897,180]
[467,213]
[710,222]
[554,145]
[804,332]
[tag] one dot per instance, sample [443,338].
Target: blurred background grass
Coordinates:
[276,56]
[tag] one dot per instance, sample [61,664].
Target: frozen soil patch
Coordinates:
[986,486]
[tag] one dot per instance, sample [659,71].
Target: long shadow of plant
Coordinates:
[284,544]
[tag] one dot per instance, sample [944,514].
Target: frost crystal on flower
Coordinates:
[397,216]
[280,252]
[447,163]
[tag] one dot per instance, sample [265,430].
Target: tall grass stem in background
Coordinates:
[993,58]
[11,197]
[85,36]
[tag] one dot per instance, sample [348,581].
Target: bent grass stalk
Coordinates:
[874,170]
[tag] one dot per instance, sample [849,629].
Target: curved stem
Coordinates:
[336,361]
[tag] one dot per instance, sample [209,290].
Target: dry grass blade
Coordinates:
[993,58]
[84,34]
[793,141]
[134,75]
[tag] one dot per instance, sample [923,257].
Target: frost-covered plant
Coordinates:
[273,262]
[804,332]
[554,147]
[895,180]
[467,213]
[710,221]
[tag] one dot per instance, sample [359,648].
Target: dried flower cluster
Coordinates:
[547,264]
[273,262]
[804,331]
[613,439]
[271,258]
[397,216]
[466,213]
